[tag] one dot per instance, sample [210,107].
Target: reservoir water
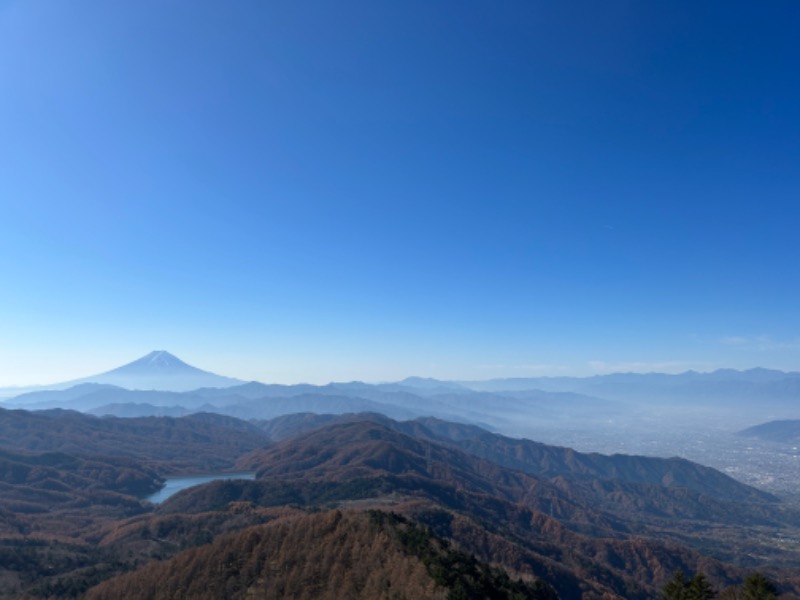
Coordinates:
[173,485]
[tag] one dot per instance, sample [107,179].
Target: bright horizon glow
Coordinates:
[362,191]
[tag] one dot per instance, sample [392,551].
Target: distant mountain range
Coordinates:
[727,384]
[162,384]
[161,371]
[259,401]
[784,432]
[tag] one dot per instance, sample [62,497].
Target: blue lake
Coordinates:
[174,485]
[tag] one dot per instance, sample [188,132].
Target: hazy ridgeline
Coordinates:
[694,415]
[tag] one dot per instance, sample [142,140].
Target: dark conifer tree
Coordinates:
[700,589]
[758,587]
[675,588]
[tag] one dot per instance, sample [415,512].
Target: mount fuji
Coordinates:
[160,370]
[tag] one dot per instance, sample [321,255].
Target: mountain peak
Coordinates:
[162,371]
[155,354]
[160,359]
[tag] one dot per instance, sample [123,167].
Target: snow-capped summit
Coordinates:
[157,359]
[160,370]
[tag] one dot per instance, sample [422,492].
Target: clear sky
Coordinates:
[315,191]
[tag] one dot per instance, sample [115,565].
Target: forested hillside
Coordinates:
[329,555]
[199,442]
[417,509]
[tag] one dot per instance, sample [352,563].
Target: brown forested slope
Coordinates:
[540,459]
[348,451]
[58,496]
[619,537]
[589,532]
[199,442]
[331,555]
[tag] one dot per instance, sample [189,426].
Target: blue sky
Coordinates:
[321,191]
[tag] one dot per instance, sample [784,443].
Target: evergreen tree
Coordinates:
[697,588]
[675,588]
[758,587]
[700,589]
